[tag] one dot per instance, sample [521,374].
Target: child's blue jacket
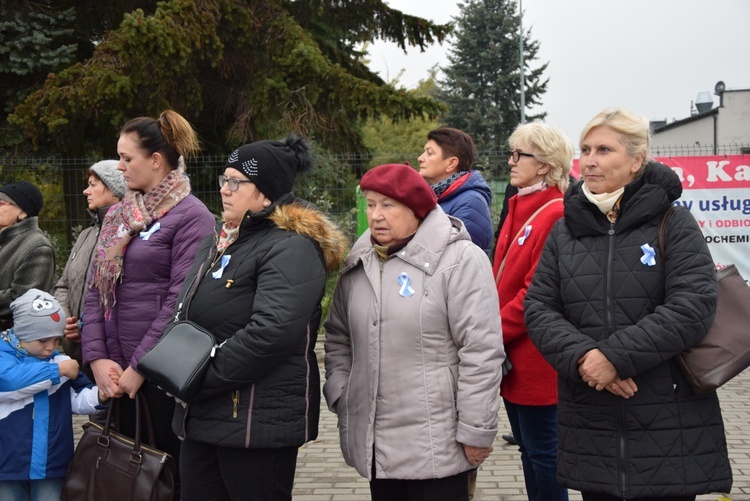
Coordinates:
[36,406]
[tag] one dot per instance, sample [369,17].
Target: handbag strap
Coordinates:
[141,412]
[662,231]
[518,235]
[188,297]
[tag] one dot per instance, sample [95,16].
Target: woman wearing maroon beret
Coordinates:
[413,345]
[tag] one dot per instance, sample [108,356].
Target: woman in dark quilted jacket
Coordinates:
[257,285]
[610,314]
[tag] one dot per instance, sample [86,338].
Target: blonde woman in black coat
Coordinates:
[610,313]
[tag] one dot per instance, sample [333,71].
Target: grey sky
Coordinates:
[651,56]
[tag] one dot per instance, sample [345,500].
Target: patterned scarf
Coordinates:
[440,187]
[229,233]
[137,212]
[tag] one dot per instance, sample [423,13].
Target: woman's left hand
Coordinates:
[596,370]
[624,388]
[130,382]
[476,455]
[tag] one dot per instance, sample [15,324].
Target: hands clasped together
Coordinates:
[115,382]
[599,373]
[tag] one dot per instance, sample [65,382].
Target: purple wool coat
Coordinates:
[153,272]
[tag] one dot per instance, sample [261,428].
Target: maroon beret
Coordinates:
[403,184]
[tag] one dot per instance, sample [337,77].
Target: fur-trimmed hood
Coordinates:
[307,220]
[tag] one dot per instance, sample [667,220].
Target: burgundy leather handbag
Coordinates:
[109,465]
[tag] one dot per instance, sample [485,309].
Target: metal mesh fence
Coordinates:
[331,186]
[699,150]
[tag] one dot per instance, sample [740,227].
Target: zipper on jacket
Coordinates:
[621,443]
[608,301]
[235,402]
[609,328]
[214,259]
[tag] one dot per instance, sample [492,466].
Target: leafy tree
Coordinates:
[386,137]
[482,81]
[238,70]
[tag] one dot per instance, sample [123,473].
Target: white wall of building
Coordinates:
[732,126]
[734,118]
[696,133]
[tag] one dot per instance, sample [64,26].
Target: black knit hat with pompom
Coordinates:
[273,165]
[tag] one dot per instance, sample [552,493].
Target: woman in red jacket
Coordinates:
[540,160]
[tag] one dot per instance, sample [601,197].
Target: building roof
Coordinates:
[692,118]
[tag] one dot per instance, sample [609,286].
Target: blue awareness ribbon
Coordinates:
[224,262]
[526,233]
[405,282]
[145,235]
[648,255]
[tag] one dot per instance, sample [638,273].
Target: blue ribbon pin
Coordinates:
[526,233]
[145,235]
[224,262]
[648,255]
[405,282]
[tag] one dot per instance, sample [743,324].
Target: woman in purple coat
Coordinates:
[145,248]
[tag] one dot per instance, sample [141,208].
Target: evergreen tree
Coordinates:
[482,81]
[34,42]
[403,140]
[239,71]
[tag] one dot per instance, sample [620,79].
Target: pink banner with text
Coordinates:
[716,189]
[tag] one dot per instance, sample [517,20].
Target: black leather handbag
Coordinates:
[178,362]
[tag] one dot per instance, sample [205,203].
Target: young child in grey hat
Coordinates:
[39,390]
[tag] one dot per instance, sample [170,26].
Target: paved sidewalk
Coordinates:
[322,474]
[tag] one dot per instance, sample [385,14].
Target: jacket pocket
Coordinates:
[453,389]
[342,409]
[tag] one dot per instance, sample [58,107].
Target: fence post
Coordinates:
[361,212]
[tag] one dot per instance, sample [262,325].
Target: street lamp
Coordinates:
[523,76]
[719,91]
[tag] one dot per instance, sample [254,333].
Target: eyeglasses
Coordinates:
[516,155]
[234,184]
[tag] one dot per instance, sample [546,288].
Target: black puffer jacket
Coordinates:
[591,290]
[262,389]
